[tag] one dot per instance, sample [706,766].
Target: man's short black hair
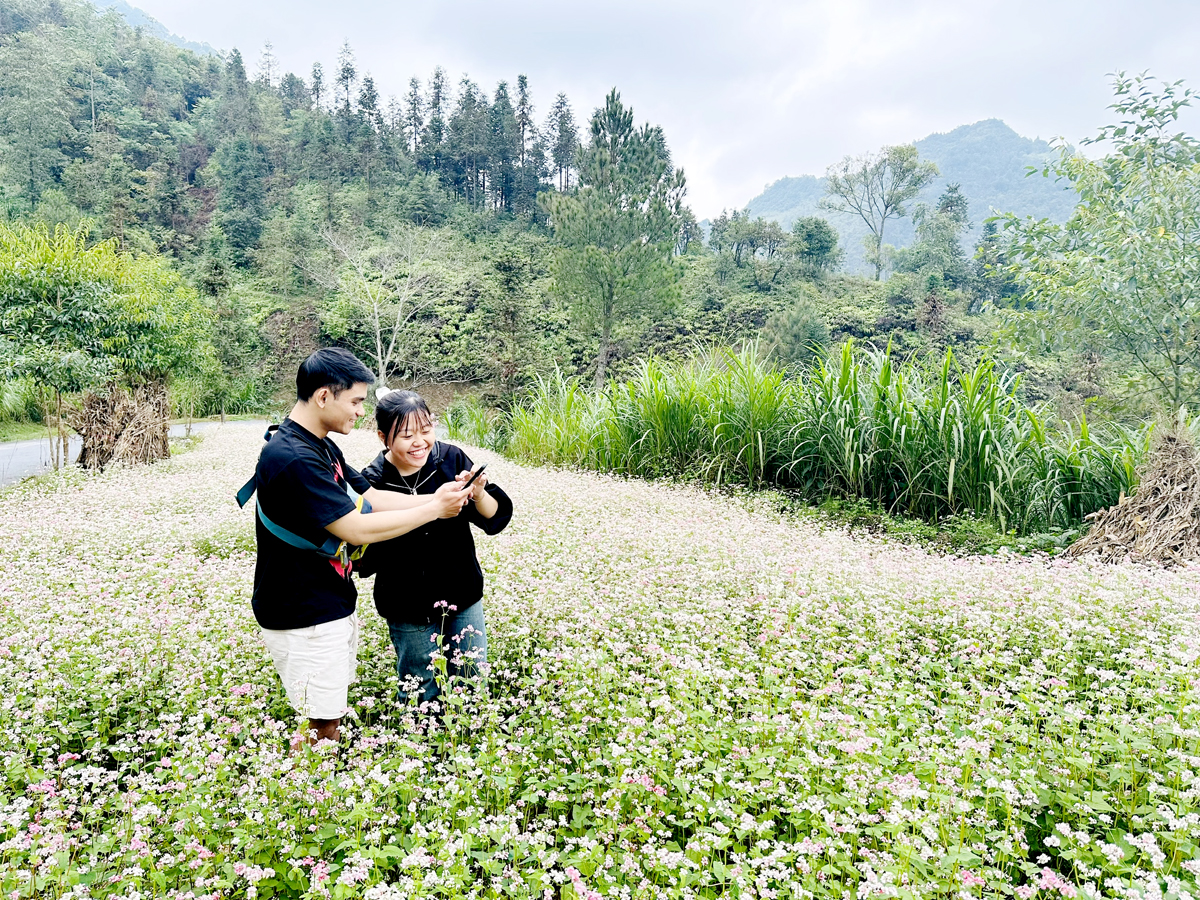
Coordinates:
[333,368]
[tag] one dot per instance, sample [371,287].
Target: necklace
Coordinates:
[405,485]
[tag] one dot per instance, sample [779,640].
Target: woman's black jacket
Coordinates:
[436,561]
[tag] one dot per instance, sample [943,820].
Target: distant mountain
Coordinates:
[138,19]
[988,160]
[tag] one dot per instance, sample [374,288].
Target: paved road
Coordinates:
[20,459]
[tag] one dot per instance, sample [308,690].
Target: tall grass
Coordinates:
[558,424]
[469,420]
[19,402]
[211,394]
[926,438]
[1075,474]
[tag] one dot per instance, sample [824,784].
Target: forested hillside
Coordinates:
[284,196]
[988,160]
[477,236]
[308,208]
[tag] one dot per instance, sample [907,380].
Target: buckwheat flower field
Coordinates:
[690,697]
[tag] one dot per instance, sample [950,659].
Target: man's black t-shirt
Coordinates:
[301,482]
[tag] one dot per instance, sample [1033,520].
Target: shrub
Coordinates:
[797,334]
[19,401]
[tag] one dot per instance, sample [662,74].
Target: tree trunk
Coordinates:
[63,455]
[879,252]
[51,437]
[602,357]
[64,439]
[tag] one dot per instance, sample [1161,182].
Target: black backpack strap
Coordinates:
[332,548]
[247,490]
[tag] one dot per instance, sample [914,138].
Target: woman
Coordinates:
[428,584]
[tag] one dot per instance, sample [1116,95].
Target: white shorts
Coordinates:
[317,665]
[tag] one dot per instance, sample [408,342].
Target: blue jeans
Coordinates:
[464,641]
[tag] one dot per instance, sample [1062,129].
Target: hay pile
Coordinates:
[1160,523]
[119,427]
[99,419]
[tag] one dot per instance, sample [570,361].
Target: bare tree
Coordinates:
[380,289]
[875,187]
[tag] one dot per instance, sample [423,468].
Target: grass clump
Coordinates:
[930,440]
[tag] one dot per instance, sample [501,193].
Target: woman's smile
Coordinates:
[410,445]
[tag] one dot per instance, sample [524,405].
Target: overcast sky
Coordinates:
[746,92]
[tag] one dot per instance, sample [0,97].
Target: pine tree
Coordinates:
[532,172]
[993,277]
[35,111]
[369,128]
[434,137]
[294,92]
[368,104]
[325,160]
[392,142]
[393,119]
[238,111]
[469,141]
[241,201]
[532,176]
[215,277]
[347,75]
[414,115]
[524,114]
[414,111]
[617,233]
[318,84]
[235,72]
[563,138]
[268,66]
[503,148]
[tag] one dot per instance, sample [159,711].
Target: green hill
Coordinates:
[988,160]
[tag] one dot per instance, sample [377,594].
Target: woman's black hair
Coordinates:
[395,408]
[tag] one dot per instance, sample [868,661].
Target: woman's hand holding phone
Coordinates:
[475,479]
[485,504]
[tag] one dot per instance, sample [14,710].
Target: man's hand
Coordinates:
[449,499]
[370,528]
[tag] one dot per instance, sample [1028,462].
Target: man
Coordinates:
[304,598]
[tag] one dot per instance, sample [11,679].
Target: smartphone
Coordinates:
[474,475]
